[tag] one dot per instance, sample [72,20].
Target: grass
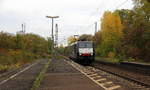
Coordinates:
[8,67]
[11,59]
[39,78]
[59,57]
[139,61]
[114,60]
[111,60]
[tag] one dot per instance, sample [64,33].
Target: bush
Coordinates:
[5,60]
[16,50]
[111,54]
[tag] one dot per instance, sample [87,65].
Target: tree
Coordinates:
[111,31]
[49,43]
[20,42]
[20,49]
[97,38]
[126,32]
[72,39]
[85,37]
[141,24]
[61,49]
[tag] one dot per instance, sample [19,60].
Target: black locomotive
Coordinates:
[82,52]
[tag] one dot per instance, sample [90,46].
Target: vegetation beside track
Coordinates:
[115,60]
[39,78]
[16,50]
[111,60]
[124,34]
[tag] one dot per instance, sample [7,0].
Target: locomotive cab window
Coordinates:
[85,45]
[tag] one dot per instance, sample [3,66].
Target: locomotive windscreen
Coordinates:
[85,45]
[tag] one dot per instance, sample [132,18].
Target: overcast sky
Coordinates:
[76,16]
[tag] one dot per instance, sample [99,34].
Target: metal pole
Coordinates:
[52,17]
[52,38]
[95,27]
[52,31]
[22,27]
[56,35]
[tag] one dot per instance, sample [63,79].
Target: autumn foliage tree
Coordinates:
[111,33]
[72,39]
[19,49]
[136,23]
[85,37]
[126,33]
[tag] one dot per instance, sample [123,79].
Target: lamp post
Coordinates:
[52,18]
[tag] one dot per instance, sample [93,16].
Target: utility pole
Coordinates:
[52,18]
[56,35]
[95,27]
[24,28]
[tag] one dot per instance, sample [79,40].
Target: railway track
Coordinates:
[121,75]
[108,77]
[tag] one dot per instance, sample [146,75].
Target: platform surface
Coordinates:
[62,76]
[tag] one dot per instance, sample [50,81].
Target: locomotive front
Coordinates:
[85,51]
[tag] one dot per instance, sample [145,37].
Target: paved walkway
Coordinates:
[23,79]
[62,76]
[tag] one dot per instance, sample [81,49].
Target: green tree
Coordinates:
[86,37]
[111,31]
[71,40]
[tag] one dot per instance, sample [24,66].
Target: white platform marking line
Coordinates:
[86,71]
[114,87]
[88,76]
[95,74]
[103,79]
[96,81]
[94,69]
[4,81]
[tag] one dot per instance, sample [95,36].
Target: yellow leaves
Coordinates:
[97,37]
[14,52]
[111,54]
[71,40]
[7,67]
[61,46]
[111,23]
[85,37]
[3,67]
[111,27]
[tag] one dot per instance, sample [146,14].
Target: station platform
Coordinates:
[62,76]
